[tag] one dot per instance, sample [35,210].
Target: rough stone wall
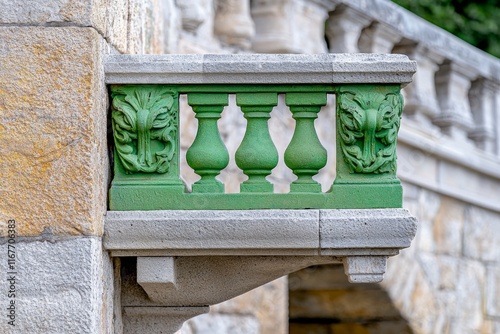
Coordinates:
[452,271]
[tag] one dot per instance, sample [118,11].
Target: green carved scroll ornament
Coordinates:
[368,124]
[144,122]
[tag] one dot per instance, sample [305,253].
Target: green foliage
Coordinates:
[476,22]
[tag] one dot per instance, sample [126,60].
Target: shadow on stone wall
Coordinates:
[322,301]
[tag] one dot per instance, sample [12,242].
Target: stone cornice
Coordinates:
[259,69]
[258,232]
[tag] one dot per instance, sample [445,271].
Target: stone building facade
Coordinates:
[53,125]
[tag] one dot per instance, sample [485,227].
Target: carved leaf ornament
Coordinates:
[368,128]
[144,117]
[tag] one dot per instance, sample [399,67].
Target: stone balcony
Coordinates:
[200,246]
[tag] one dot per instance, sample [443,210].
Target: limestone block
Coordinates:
[53,11]
[493,291]
[109,17]
[422,305]
[482,229]
[60,286]
[53,149]
[429,203]
[470,296]
[441,270]
[448,227]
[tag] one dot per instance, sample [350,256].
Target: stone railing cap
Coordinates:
[259,69]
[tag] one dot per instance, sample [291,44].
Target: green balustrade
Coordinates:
[146,140]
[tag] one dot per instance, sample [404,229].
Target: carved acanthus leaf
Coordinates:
[141,116]
[368,128]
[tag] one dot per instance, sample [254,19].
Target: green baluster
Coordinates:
[208,154]
[305,155]
[257,155]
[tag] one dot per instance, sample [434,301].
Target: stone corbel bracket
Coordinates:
[200,258]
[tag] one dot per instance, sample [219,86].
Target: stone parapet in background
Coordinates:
[55,161]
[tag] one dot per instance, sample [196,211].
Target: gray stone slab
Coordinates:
[369,229]
[60,286]
[259,69]
[209,230]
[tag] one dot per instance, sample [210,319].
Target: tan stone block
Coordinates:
[429,204]
[482,229]
[448,227]
[53,150]
[422,308]
[492,292]
[109,17]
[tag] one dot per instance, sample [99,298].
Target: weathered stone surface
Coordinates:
[493,291]
[469,316]
[108,17]
[482,228]
[53,151]
[382,228]
[146,22]
[40,12]
[205,230]
[61,287]
[259,68]
[448,227]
